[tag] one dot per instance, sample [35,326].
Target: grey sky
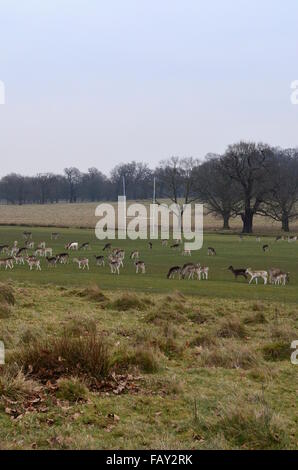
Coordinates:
[94,83]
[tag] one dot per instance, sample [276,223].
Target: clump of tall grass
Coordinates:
[127,302]
[65,355]
[231,328]
[229,356]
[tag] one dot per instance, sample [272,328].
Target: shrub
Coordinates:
[278,351]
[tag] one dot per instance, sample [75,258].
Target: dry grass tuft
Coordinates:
[277,351]
[6,294]
[65,355]
[93,293]
[232,328]
[229,356]
[127,302]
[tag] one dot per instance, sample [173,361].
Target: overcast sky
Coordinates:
[99,82]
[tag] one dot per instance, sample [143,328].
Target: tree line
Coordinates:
[248,179]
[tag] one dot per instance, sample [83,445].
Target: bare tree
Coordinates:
[176,179]
[214,188]
[282,199]
[247,165]
[73,177]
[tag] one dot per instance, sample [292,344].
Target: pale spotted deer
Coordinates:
[82,262]
[33,262]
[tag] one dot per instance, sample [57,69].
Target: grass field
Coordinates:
[158,260]
[100,361]
[132,371]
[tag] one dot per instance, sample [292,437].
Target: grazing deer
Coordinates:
[211,251]
[33,262]
[120,254]
[82,263]
[175,246]
[19,259]
[292,239]
[14,251]
[278,238]
[23,249]
[238,272]
[27,235]
[140,266]
[48,252]
[7,263]
[204,273]
[72,246]
[39,252]
[114,266]
[185,269]
[107,246]
[265,248]
[100,261]
[29,244]
[41,245]
[173,271]
[273,272]
[281,279]
[164,242]
[116,259]
[85,246]
[150,245]
[55,235]
[63,258]
[4,249]
[257,275]
[186,252]
[52,261]
[134,254]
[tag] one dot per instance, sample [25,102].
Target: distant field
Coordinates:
[83,215]
[221,284]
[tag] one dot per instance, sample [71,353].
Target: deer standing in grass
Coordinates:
[173,271]
[82,263]
[100,261]
[7,263]
[33,262]
[257,275]
[140,267]
[134,255]
[114,266]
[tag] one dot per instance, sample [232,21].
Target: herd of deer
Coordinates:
[115,260]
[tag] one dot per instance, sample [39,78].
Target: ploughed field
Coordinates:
[221,282]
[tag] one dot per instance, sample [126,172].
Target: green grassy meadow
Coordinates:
[99,361]
[221,283]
